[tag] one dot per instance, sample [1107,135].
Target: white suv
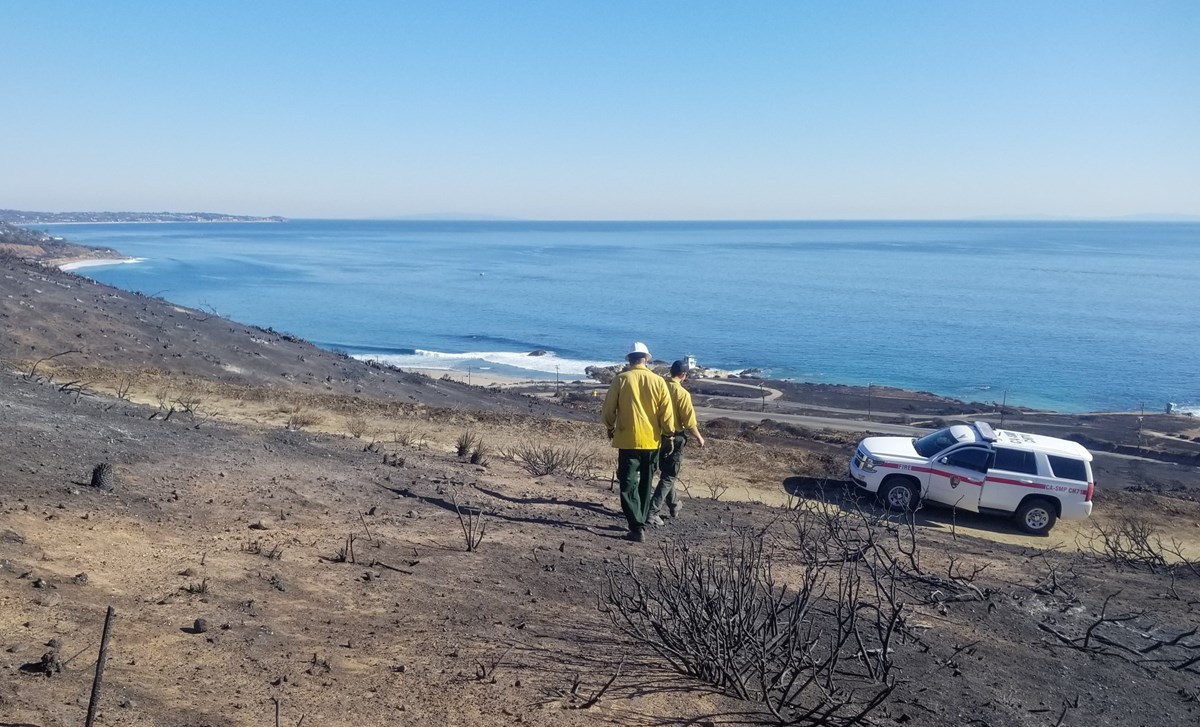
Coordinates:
[1034,478]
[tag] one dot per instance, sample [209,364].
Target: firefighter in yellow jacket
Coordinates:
[670,461]
[637,413]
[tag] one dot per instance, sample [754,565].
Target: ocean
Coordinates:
[1072,316]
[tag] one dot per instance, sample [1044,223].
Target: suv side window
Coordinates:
[931,444]
[972,458]
[1016,460]
[1067,468]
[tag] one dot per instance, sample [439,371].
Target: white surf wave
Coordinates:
[97,262]
[549,363]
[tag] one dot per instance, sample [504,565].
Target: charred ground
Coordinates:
[248,464]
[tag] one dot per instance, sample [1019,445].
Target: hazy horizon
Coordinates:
[468,217]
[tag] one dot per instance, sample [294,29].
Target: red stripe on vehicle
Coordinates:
[950,475]
[997,480]
[930,470]
[1031,485]
[1018,483]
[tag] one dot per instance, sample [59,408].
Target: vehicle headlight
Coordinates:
[866,462]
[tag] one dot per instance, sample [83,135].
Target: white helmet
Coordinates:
[638,348]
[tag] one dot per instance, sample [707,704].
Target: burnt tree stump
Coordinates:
[104,478]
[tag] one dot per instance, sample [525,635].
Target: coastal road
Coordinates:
[838,410]
[773,394]
[704,413]
[851,425]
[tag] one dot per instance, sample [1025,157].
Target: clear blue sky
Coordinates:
[604,109]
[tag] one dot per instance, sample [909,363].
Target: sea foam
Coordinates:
[546,364]
[99,262]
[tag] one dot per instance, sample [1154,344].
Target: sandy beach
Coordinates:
[486,379]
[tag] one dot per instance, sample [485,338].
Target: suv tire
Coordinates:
[1036,516]
[899,494]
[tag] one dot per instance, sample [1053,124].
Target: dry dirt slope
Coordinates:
[202,507]
[399,636]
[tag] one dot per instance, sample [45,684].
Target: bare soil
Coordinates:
[247,463]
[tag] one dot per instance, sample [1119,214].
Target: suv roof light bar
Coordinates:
[985,431]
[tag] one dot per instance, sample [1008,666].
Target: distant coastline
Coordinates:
[156,222]
[23,217]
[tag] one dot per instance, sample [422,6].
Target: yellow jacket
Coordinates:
[637,409]
[681,405]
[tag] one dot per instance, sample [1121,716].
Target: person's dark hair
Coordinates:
[636,357]
[679,368]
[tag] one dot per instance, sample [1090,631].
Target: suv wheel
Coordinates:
[1036,516]
[899,494]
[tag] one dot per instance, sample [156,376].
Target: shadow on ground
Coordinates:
[451,506]
[844,494]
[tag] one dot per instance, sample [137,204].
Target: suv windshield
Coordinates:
[931,444]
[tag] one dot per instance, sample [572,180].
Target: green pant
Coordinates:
[635,472]
[671,463]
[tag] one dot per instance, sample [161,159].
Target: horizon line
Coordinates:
[465,217]
[1139,217]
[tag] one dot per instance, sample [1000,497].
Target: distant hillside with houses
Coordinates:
[20,217]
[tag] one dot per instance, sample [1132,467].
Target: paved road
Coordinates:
[773,394]
[842,424]
[852,425]
[813,422]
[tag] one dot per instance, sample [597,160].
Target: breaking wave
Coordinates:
[534,364]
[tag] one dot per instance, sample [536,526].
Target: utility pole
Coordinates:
[1140,418]
[869,386]
[763,392]
[556,380]
[1003,406]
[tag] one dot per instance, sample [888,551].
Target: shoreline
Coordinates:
[486,379]
[95,262]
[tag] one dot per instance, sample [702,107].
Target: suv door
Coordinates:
[1012,476]
[956,476]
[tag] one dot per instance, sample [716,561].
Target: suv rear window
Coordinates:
[1067,468]
[1016,460]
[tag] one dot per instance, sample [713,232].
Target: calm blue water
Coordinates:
[1072,316]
